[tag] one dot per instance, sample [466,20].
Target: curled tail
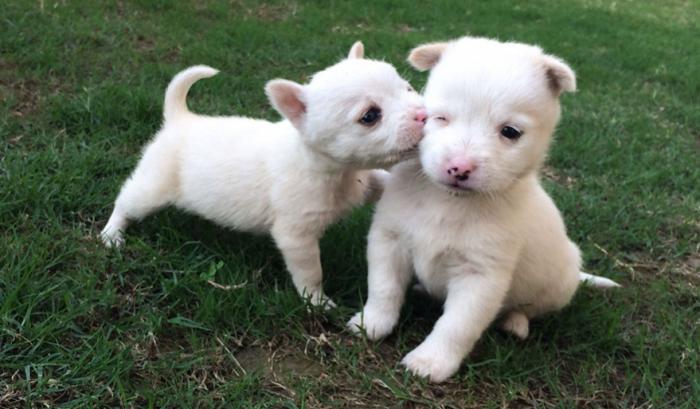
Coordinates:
[597,281]
[176,94]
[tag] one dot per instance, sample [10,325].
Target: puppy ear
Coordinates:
[424,57]
[287,97]
[560,77]
[357,50]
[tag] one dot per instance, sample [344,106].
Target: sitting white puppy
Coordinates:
[469,217]
[291,178]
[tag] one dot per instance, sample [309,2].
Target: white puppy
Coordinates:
[291,178]
[469,217]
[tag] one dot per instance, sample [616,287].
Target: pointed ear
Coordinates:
[560,77]
[287,97]
[357,50]
[424,57]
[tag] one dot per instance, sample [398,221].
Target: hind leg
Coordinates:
[152,186]
[517,324]
[111,235]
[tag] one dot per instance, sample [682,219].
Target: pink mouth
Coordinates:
[411,137]
[456,186]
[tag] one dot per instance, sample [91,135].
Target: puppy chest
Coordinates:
[434,267]
[439,256]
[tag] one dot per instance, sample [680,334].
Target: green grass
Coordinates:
[81,87]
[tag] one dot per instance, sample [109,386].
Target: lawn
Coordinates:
[188,314]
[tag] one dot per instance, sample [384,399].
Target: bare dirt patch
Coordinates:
[278,364]
[25,92]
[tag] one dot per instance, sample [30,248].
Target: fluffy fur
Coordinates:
[469,217]
[291,178]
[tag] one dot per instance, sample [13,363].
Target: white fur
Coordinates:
[597,281]
[291,178]
[493,243]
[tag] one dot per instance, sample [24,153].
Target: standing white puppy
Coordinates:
[291,178]
[469,217]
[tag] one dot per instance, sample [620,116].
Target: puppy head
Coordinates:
[492,109]
[359,112]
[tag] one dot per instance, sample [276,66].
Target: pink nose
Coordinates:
[459,169]
[420,116]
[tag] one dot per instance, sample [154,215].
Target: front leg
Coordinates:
[388,277]
[472,303]
[376,181]
[303,260]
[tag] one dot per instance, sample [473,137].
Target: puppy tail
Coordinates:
[597,281]
[175,96]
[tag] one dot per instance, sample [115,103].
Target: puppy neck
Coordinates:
[312,159]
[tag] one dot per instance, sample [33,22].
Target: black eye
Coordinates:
[511,133]
[371,117]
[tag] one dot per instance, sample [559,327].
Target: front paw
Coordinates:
[112,237]
[429,361]
[380,178]
[376,325]
[320,299]
[377,180]
[517,324]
